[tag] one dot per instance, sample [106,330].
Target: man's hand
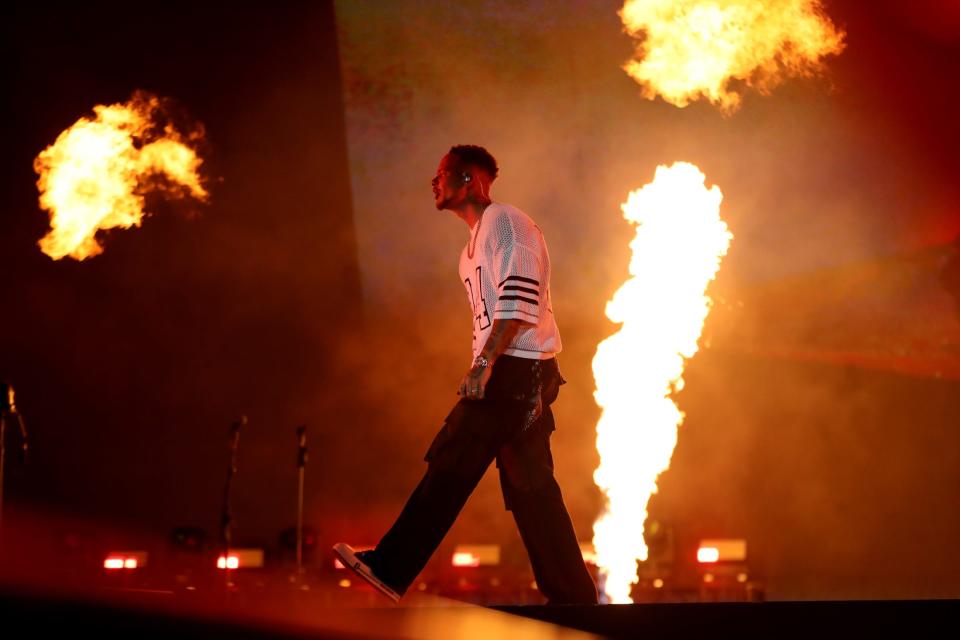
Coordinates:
[501,334]
[475,382]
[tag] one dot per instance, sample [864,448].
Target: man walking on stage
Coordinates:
[504,413]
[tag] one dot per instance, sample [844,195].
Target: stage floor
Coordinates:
[283,613]
[332,612]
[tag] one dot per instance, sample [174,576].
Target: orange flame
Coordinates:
[96,173]
[677,250]
[694,48]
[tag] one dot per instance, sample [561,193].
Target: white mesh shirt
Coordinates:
[505,269]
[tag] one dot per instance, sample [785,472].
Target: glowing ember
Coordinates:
[95,175]
[676,253]
[694,48]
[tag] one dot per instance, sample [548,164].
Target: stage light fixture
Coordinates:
[475,555]
[125,560]
[722,550]
[241,559]
[708,554]
[463,559]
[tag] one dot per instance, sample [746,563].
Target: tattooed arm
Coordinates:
[501,335]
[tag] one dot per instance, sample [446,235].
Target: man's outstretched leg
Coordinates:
[457,460]
[420,528]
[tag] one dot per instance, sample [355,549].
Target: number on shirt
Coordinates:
[480,316]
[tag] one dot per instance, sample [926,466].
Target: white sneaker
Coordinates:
[352,560]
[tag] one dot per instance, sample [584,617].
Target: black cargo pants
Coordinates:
[475,433]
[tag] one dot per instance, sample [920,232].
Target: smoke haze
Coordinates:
[320,285]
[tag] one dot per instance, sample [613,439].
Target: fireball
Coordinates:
[95,175]
[692,49]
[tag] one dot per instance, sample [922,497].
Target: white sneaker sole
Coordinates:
[349,559]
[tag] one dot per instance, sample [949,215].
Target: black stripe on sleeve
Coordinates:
[512,311]
[520,279]
[530,300]
[510,287]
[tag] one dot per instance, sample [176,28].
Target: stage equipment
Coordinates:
[727,550]
[189,539]
[226,517]
[252,558]
[475,555]
[301,472]
[725,576]
[116,560]
[8,410]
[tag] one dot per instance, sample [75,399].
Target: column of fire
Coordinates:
[661,308]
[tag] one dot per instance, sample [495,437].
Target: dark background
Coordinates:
[825,437]
[130,369]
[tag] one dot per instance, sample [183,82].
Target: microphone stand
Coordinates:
[301,470]
[226,517]
[8,408]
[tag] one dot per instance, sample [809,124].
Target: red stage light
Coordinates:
[465,559]
[722,550]
[475,555]
[251,558]
[125,560]
[708,554]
